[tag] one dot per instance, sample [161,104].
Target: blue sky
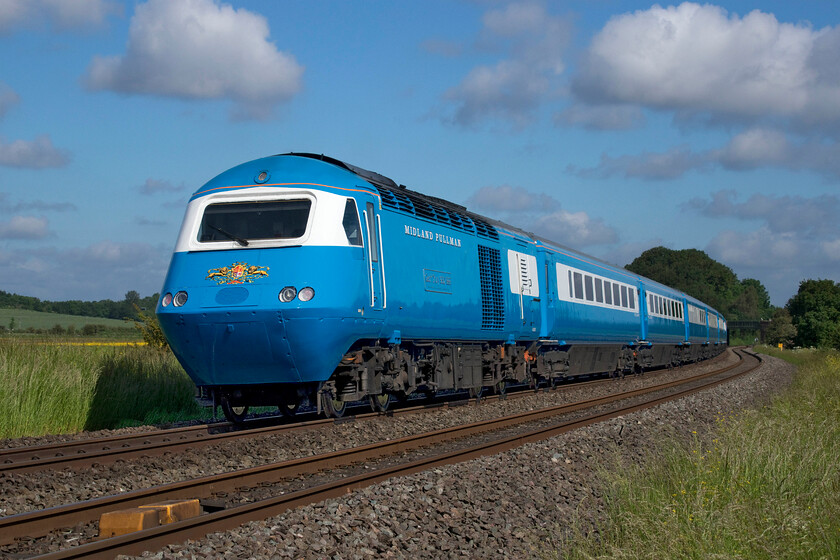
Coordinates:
[608,126]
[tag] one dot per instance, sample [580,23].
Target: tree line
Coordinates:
[811,318]
[105,308]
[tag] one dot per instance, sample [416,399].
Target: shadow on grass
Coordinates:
[140,385]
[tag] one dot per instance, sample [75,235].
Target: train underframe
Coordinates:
[381,373]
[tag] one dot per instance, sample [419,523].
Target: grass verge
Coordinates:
[766,485]
[53,388]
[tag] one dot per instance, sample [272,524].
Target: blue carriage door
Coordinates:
[548,278]
[643,312]
[376,266]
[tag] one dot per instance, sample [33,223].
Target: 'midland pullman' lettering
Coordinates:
[432,236]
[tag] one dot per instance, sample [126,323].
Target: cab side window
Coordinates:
[352,228]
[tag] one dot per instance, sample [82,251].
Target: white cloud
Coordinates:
[105,270]
[831,249]
[699,59]
[808,218]
[59,14]
[754,148]
[8,98]
[575,229]
[543,215]
[39,205]
[649,165]
[600,117]
[37,154]
[24,227]
[200,49]
[510,199]
[751,149]
[154,186]
[514,87]
[795,237]
[780,259]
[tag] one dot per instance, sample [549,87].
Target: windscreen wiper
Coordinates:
[243,242]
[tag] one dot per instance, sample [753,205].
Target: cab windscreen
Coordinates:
[244,221]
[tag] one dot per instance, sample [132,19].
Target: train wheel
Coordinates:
[235,414]
[476,392]
[501,388]
[379,403]
[288,410]
[332,407]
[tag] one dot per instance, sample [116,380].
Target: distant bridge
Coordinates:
[755,325]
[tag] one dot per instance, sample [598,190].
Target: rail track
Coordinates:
[87,452]
[464,442]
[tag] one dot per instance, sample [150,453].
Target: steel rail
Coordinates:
[37,523]
[88,452]
[196,528]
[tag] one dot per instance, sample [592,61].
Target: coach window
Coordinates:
[599,290]
[631,298]
[616,295]
[624,296]
[587,284]
[607,293]
[352,228]
[578,285]
[571,286]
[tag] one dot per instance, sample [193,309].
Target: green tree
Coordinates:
[695,273]
[753,302]
[781,329]
[815,312]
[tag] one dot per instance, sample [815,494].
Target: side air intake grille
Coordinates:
[426,208]
[492,293]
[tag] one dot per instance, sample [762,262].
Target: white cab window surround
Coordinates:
[324,226]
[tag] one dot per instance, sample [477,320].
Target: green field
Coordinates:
[24,319]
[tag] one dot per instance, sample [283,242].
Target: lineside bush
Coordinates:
[767,486]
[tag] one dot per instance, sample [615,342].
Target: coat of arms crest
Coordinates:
[237,273]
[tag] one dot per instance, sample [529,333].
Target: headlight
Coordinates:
[180,299]
[306,294]
[166,300]
[287,294]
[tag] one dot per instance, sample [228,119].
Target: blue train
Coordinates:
[299,277]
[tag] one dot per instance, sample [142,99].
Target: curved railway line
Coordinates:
[86,452]
[378,462]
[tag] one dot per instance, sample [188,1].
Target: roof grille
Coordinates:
[418,205]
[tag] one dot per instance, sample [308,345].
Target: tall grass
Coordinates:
[51,388]
[140,384]
[767,486]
